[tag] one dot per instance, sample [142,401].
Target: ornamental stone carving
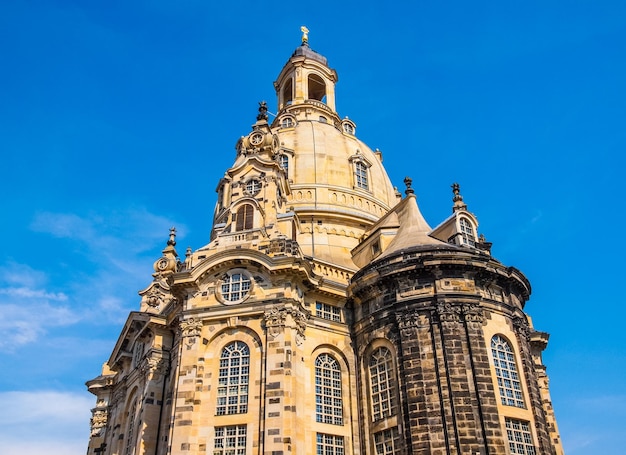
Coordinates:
[407,321]
[190,329]
[473,314]
[118,395]
[98,422]
[300,318]
[154,366]
[275,319]
[522,328]
[448,313]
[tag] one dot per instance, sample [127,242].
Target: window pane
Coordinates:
[508,379]
[382,384]
[232,390]
[519,437]
[330,394]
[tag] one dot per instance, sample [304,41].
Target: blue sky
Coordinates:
[117,122]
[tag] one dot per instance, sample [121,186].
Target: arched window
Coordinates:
[288,93]
[508,379]
[234,376]
[287,122]
[328,402]
[360,175]
[382,384]
[467,232]
[317,88]
[130,430]
[137,353]
[244,217]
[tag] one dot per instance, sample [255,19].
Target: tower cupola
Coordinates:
[306,79]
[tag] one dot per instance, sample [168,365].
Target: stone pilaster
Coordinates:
[484,402]
[184,437]
[523,332]
[419,385]
[284,330]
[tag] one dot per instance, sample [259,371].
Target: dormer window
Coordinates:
[323,119]
[283,161]
[360,176]
[361,171]
[348,126]
[244,218]
[467,232]
[287,122]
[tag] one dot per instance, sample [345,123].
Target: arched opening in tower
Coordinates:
[317,88]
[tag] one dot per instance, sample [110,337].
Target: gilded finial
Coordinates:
[305,34]
[172,240]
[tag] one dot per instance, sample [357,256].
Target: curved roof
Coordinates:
[307,52]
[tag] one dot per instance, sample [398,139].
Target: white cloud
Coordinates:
[42,421]
[24,292]
[28,308]
[99,286]
[24,321]
[112,234]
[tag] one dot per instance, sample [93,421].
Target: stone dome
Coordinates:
[338,185]
[335,171]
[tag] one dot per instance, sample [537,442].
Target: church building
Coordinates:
[325,315]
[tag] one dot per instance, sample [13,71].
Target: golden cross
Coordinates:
[305,34]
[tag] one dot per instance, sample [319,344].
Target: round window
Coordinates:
[253,186]
[235,287]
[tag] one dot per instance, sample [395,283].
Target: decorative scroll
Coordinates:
[154,297]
